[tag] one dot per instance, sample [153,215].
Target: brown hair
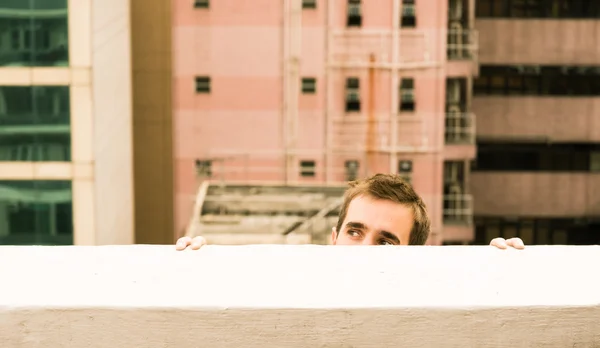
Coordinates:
[393,188]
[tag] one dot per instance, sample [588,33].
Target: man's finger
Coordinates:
[182,243]
[198,242]
[499,243]
[516,243]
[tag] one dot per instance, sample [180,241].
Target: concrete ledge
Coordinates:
[299,296]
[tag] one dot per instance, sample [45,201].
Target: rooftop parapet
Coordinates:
[299,296]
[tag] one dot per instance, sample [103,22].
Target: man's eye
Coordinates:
[353,233]
[386,242]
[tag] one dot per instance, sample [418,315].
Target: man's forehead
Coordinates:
[367,207]
[379,214]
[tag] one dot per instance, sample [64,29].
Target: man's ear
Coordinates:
[333,236]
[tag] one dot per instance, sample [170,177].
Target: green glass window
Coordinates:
[36,213]
[34,33]
[35,124]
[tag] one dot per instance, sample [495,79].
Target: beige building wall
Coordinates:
[543,42]
[539,117]
[113,134]
[539,194]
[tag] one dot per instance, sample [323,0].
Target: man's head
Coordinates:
[380,210]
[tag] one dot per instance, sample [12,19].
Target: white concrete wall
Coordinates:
[299,296]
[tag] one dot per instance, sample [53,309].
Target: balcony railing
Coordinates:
[458,208]
[356,48]
[37,119]
[276,296]
[55,152]
[460,128]
[269,166]
[463,44]
[351,134]
[30,123]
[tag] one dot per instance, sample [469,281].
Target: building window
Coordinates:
[201,3]
[352,167]
[309,3]
[460,126]
[538,230]
[595,161]
[538,80]
[460,41]
[352,94]
[36,213]
[202,84]
[457,206]
[309,85]
[35,124]
[405,170]
[204,168]
[407,94]
[409,15]
[354,13]
[538,9]
[528,157]
[30,38]
[307,168]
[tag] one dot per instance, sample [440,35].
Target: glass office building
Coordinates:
[58,71]
[35,123]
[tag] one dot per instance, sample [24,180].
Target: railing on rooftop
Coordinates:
[299,296]
[460,128]
[463,44]
[355,48]
[458,208]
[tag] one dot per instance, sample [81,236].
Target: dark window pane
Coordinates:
[534,157]
[515,85]
[36,212]
[497,84]
[309,85]
[564,9]
[480,85]
[531,85]
[37,31]
[354,13]
[538,80]
[307,168]
[35,124]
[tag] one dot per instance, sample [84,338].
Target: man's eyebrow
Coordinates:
[357,225]
[390,236]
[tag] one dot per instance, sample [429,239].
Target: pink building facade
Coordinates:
[322,92]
